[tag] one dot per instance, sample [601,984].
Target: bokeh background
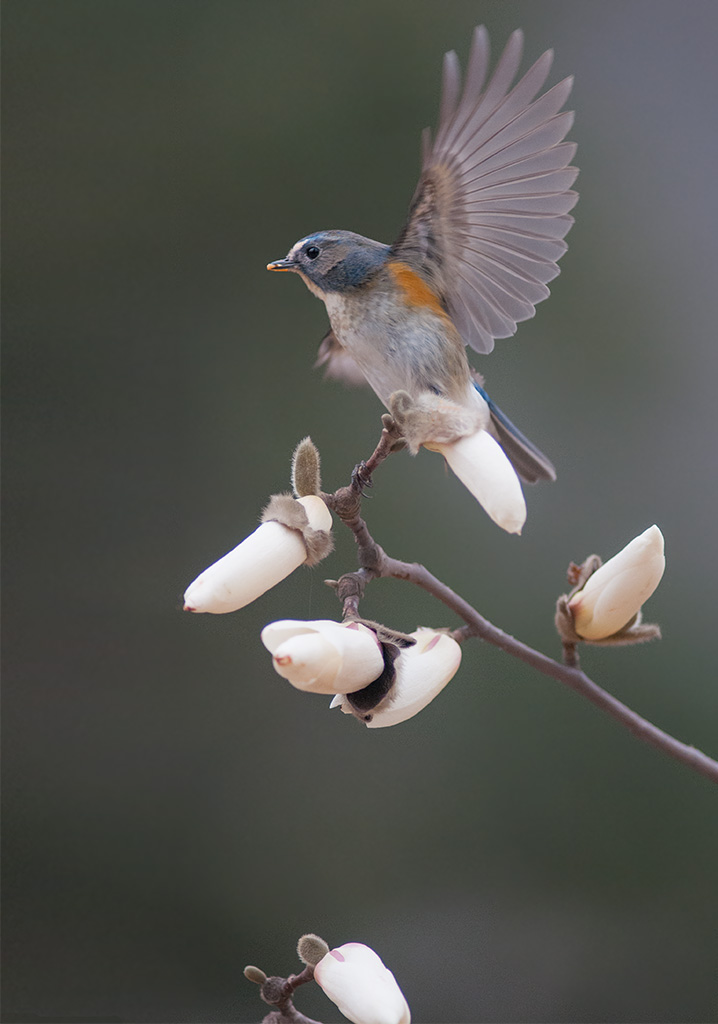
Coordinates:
[174,810]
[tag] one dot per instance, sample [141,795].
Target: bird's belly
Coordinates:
[384,362]
[400,351]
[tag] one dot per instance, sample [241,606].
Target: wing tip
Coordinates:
[516,38]
[480,37]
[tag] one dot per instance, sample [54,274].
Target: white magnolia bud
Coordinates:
[482,466]
[615,592]
[256,565]
[422,672]
[356,980]
[324,656]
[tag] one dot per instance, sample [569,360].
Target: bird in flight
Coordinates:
[483,238]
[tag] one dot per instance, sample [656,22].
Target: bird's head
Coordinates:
[334,261]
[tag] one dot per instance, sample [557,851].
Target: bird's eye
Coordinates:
[312,252]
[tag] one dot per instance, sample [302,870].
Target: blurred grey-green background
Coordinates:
[174,810]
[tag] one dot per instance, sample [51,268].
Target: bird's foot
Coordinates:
[361,478]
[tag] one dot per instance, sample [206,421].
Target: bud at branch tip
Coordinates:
[311,949]
[605,605]
[306,469]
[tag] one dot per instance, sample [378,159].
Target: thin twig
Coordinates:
[375,563]
[573,677]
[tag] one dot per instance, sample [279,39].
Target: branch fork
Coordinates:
[374,563]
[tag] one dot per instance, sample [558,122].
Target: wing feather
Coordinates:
[337,362]
[494,315]
[514,103]
[450,88]
[507,165]
[491,209]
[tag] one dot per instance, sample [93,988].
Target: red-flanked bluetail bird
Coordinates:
[484,234]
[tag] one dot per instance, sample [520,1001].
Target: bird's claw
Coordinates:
[361,478]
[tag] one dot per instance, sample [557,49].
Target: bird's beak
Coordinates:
[285,264]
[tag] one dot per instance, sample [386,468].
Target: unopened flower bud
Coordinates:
[422,671]
[356,980]
[482,466]
[256,565]
[311,948]
[324,656]
[255,974]
[613,595]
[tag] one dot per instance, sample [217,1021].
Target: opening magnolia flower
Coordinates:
[324,656]
[482,466]
[613,595]
[256,565]
[357,981]
[422,672]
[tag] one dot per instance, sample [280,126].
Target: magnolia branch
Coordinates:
[278,992]
[374,563]
[352,975]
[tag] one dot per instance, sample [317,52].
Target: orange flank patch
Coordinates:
[415,290]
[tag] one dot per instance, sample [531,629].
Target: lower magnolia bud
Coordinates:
[324,656]
[421,673]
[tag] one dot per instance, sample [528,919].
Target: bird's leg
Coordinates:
[346,501]
[391,440]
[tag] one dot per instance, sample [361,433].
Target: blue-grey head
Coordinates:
[334,261]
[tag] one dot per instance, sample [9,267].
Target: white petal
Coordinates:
[308,661]
[616,591]
[366,992]
[339,700]
[276,633]
[319,516]
[324,656]
[422,672]
[362,659]
[256,565]
[360,953]
[482,466]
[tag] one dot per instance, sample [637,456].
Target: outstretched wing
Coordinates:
[490,212]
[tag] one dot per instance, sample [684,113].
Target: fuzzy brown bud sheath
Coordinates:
[306,469]
[311,949]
